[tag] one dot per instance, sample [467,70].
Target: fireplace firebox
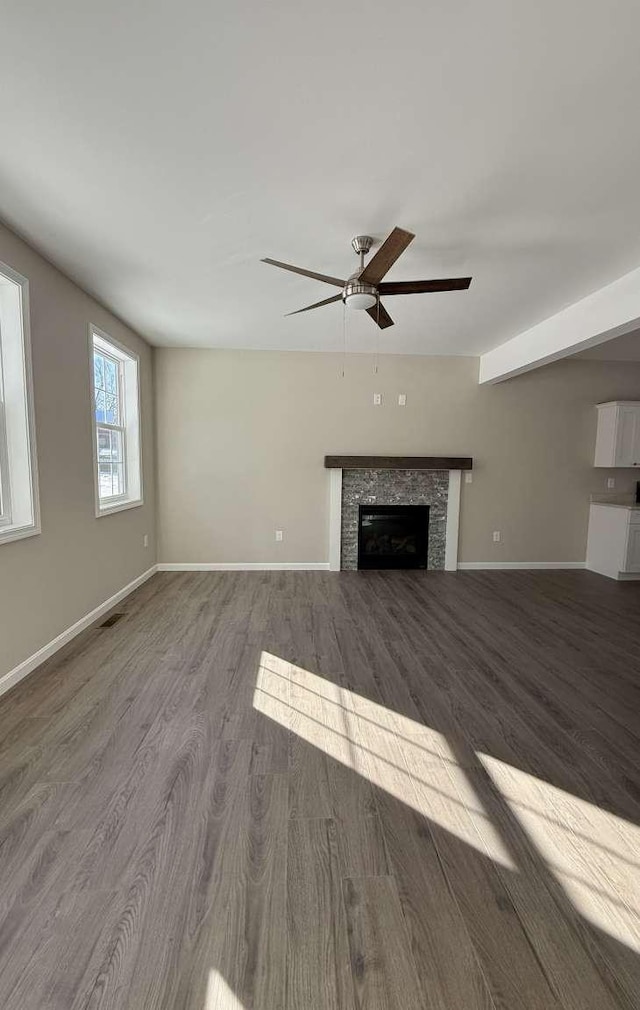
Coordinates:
[393,536]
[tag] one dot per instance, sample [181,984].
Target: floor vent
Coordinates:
[110,621]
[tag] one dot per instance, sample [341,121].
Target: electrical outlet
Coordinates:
[497,536]
[145,540]
[279,535]
[377,399]
[611,482]
[468,477]
[402,399]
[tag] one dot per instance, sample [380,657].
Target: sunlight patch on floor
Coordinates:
[594,854]
[407,759]
[219,995]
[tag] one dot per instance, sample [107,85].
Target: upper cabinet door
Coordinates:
[628,436]
[618,439]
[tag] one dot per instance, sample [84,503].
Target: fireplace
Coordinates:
[393,536]
[369,481]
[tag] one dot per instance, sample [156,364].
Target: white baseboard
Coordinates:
[48,650]
[243,566]
[481,565]
[324,566]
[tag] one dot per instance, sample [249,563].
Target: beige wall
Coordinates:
[48,582]
[242,435]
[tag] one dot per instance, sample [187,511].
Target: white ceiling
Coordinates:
[156,150]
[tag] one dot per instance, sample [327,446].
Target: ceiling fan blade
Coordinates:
[380,316]
[421,287]
[316,305]
[387,254]
[306,273]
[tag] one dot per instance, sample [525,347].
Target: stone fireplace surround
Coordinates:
[394,487]
[401,480]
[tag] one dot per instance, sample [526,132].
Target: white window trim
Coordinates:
[13,531]
[5,479]
[122,503]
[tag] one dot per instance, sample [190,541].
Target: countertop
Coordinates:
[617,505]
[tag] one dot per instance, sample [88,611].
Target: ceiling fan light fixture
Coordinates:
[358,295]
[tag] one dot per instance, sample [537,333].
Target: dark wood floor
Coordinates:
[310,791]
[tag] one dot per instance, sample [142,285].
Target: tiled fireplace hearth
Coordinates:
[401,480]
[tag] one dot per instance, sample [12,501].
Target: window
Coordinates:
[116,422]
[19,515]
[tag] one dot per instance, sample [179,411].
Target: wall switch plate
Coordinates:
[402,399]
[377,399]
[145,540]
[468,477]
[497,536]
[611,482]
[279,534]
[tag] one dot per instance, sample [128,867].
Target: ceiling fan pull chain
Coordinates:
[344,338]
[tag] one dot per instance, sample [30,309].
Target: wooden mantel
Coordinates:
[398,462]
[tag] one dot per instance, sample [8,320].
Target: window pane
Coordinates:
[117,470]
[100,406]
[105,483]
[111,471]
[117,447]
[111,376]
[111,480]
[98,370]
[110,446]
[104,445]
[111,410]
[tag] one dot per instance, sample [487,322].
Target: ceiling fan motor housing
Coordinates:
[359,295]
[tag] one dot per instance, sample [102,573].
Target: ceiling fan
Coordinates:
[363,289]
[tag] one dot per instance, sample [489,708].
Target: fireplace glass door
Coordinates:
[393,536]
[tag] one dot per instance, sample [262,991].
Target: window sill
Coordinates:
[119,507]
[10,533]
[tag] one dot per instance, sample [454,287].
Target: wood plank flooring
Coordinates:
[318,791]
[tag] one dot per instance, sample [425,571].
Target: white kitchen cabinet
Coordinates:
[618,438]
[613,542]
[633,548]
